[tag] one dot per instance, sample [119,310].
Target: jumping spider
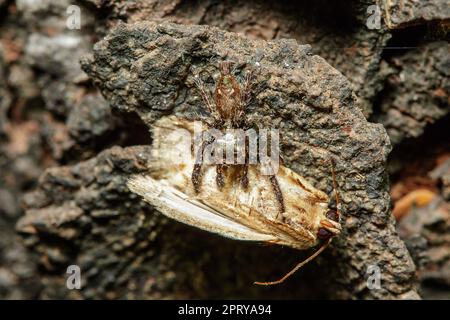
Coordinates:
[227,109]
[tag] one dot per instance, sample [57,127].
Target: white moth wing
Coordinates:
[179,206]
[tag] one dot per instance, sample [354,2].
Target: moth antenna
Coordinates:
[335,187]
[298,266]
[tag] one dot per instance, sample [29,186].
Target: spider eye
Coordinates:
[324,234]
[333,215]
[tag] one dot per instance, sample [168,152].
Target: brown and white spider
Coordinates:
[227,109]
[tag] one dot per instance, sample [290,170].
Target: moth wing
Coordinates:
[178,206]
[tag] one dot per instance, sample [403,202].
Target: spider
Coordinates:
[227,109]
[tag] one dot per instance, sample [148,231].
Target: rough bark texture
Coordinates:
[425,228]
[51,116]
[422,230]
[148,68]
[339,38]
[402,110]
[5,96]
[401,13]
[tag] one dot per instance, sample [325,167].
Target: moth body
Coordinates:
[240,212]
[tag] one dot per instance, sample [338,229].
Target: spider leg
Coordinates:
[206,97]
[204,93]
[220,176]
[244,98]
[278,194]
[196,175]
[247,87]
[244,175]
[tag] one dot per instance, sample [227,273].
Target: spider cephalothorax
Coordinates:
[227,108]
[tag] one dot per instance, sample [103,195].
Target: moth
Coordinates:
[240,201]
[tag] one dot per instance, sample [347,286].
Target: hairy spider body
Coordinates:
[227,110]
